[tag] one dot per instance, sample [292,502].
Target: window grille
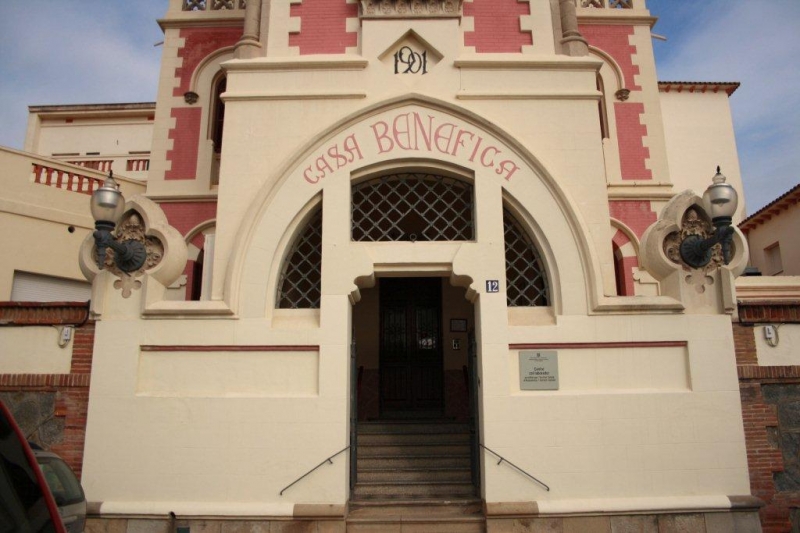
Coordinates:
[413,207]
[526,279]
[301,276]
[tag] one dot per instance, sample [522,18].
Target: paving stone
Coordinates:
[147,526]
[587,524]
[681,523]
[634,524]
[525,525]
[245,526]
[106,525]
[290,526]
[733,523]
[205,526]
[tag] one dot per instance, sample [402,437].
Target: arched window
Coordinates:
[526,279]
[216,124]
[300,284]
[602,108]
[413,207]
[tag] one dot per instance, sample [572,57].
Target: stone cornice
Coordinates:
[406,9]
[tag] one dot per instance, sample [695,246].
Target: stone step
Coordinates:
[432,427]
[394,526]
[458,515]
[414,462]
[431,489]
[368,439]
[406,450]
[409,474]
[438,507]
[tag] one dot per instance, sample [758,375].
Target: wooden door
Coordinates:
[411,347]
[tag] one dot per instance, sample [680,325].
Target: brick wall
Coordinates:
[771,412]
[497,26]
[323,26]
[51,408]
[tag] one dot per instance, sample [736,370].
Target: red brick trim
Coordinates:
[227,348]
[765,311]
[199,43]
[786,374]
[44,313]
[323,26]
[186,139]
[582,345]
[72,392]
[630,135]
[638,215]
[185,216]
[615,41]
[497,26]
[744,342]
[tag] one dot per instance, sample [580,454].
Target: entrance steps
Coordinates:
[414,477]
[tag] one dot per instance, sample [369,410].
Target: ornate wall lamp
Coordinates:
[107,207]
[721,201]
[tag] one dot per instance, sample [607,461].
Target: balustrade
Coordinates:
[137,165]
[65,179]
[608,4]
[214,5]
[101,165]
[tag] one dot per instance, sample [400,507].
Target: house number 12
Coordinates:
[492,285]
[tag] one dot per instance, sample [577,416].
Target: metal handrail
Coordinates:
[328,460]
[503,459]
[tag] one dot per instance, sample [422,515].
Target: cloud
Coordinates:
[754,43]
[84,51]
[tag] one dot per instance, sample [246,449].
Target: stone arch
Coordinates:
[329,162]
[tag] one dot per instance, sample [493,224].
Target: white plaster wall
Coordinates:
[699,134]
[33,350]
[787,351]
[781,229]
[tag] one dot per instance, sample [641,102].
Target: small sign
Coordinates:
[492,285]
[538,370]
[408,61]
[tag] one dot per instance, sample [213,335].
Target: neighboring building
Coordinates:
[401,240]
[772,236]
[102,137]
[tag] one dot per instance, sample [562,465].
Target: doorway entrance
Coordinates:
[410,364]
[414,424]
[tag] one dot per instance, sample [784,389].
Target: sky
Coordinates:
[102,51]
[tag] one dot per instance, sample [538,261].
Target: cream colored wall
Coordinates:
[33,350]
[699,135]
[638,426]
[114,138]
[787,349]
[781,229]
[35,220]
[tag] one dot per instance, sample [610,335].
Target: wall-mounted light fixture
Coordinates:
[721,201]
[107,207]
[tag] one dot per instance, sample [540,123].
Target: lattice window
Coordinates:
[217,5]
[413,207]
[301,277]
[620,4]
[526,279]
[194,5]
[591,3]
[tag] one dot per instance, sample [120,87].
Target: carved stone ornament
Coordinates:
[411,8]
[146,223]
[683,216]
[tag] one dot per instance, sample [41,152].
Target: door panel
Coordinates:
[411,351]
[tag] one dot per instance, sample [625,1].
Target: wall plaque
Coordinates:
[538,370]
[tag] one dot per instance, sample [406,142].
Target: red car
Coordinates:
[26,504]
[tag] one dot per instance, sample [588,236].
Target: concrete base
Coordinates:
[717,522]
[216,525]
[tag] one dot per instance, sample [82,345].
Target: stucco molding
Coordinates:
[578,231]
[143,220]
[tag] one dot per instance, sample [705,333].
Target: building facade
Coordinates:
[372,226]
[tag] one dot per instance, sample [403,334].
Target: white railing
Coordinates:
[606,4]
[214,5]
